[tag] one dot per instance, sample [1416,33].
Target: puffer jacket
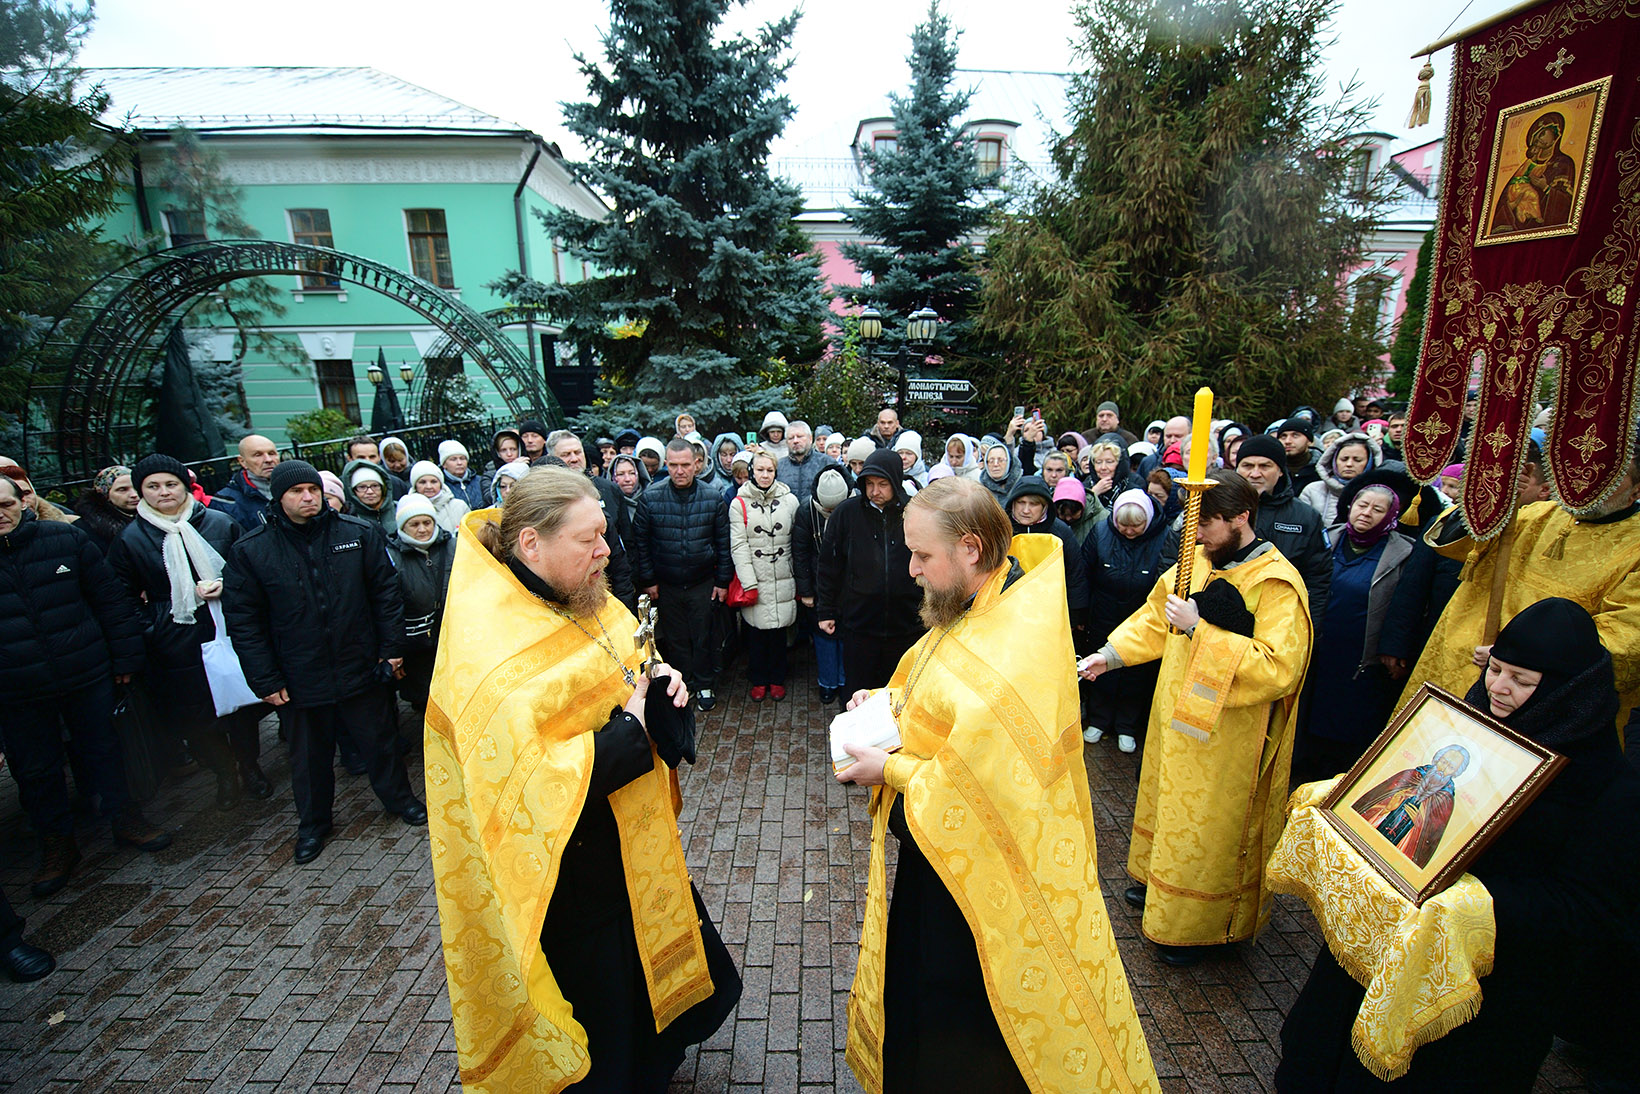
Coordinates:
[761,524]
[424,579]
[65,622]
[174,666]
[680,537]
[469,488]
[865,583]
[384,518]
[1121,573]
[313,607]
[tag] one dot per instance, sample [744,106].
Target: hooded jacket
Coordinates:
[865,583]
[313,608]
[382,518]
[65,621]
[1076,573]
[720,474]
[1322,495]
[773,420]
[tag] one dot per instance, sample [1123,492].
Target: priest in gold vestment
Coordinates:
[1594,561]
[578,953]
[993,968]
[1213,784]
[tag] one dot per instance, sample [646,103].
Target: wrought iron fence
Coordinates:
[330,454]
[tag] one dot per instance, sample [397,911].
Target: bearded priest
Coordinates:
[994,967]
[1213,784]
[578,953]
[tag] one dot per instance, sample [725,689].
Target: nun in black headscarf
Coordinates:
[1564,880]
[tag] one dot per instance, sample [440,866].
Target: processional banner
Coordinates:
[1537,249]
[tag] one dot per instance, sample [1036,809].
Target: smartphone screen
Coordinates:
[751,436]
[1019,412]
[1036,413]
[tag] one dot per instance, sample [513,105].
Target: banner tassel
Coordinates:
[1421,98]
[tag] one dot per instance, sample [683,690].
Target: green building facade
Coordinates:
[360,161]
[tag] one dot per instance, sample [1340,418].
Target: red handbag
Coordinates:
[738,596]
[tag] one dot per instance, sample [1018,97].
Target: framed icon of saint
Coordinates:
[1538,177]
[1435,789]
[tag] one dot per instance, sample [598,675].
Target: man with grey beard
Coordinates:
[1593,559]
[802,464]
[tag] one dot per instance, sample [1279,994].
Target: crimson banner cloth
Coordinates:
[1536,257]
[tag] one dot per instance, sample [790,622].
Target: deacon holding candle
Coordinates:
[1231,626]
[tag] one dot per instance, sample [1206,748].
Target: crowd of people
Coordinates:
[1333,585]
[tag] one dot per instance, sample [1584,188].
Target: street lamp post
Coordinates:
[407,373]
[921,327]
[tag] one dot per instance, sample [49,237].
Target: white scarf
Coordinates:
[183,544]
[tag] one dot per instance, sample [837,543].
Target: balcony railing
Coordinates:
[831,180]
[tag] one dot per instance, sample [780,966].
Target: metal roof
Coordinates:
[285,100]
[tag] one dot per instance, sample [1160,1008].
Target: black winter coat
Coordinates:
[865,583]
[618,522]
[100,518]
[424,579]
[174,665]
[313,608]
[808,531]
[1297,531]
[680,537]
[65,622]
[1121,574]
[1428,581]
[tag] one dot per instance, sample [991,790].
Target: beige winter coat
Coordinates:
[760,541]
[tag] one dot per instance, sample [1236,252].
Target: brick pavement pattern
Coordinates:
[220,965]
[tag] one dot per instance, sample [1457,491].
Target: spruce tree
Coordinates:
[1206,213]
[703,284]
[926,201]
[60,173]
[1409,333]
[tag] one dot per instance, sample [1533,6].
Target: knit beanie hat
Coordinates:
[531,426]
[835,438]
[1107,405]
[158,464]
[367,471]
[860,448]
[422,469]
[831,488]
[1452,471]
[940,470]
[332,485]
[414,505]
[909,441]
[446,449]
[291,473]
[1262,444]
[1298,423]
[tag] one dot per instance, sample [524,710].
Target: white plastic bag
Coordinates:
[229,690]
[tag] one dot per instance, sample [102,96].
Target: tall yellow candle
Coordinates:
[1200,424]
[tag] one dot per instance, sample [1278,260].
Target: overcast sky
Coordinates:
[514,59]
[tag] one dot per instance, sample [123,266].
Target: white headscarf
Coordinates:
[183,544]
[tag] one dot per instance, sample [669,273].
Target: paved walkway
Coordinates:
[219,964]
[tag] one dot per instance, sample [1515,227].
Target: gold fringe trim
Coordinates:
[1433,1030]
